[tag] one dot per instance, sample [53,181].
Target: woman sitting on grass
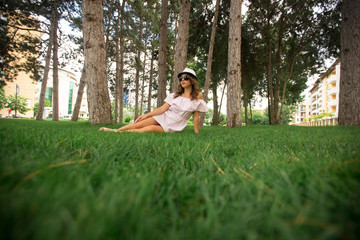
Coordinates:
[177,109]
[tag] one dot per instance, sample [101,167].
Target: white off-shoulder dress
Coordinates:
[175,118]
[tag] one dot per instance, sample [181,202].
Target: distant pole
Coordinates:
[17,92]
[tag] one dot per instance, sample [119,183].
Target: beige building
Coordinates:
[26,89]
[26,86]
[30,89]
[325,92]
[68,88]
[301,114]
[323,97]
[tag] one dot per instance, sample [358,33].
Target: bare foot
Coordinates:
[107,129]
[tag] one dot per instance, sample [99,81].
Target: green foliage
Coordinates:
[287,114]
[208,116]
[36,105]
[3,100]
[65,180]
[320,116]
[201,17]
[222,119]
[17,103]
[259,119]
[18,45]
[127,119]
[287,41]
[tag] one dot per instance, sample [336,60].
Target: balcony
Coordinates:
[314,94]
[332,79]
[332,91]
[332,103]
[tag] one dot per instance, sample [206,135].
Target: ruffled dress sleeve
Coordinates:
[202,106]
[170,98]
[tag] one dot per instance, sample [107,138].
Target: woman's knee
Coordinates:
[152,128]
[145,123]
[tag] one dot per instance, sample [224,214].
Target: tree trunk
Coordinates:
[270,80]
[251,115]
[95,63]
[143,81]
[349,102]
[284,89]
[117,69]
[246,106]
[275,115]
[55,90]
[110,15]
[117,73]
[80,93]
[121,77]
[222,97]
[210,58]
[162,53]
[233,107]
[150,82]
[39,115]
[216,113]
[138,67]
[182,41]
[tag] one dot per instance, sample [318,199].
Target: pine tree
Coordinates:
[55,90]
[52,36]
[182,41]
[95,62]
[210,58]
[162,54]
[75,114]
[233,116]
[349,105]
[293,37]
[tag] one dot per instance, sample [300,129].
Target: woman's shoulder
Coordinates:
[199,96]
[171,95]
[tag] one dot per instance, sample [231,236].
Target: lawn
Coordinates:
[65,180]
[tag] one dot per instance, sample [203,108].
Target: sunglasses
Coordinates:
[185,78]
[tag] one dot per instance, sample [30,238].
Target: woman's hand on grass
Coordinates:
[139,119]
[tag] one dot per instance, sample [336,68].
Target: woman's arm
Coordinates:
[196,122]
[155,112]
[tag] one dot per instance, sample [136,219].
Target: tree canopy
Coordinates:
[283,42]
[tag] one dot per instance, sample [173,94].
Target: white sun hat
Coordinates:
[188,71]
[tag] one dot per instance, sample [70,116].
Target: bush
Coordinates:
[127,119]
[259,119]
[2,98]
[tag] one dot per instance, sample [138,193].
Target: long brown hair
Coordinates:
[194,88]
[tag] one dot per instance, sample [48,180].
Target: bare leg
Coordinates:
[147,125]
[107,129]
[151,128]
[132,126]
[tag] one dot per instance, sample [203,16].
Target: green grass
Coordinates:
[64,180]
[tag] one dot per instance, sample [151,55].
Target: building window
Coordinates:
[48,94]
[71,90]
